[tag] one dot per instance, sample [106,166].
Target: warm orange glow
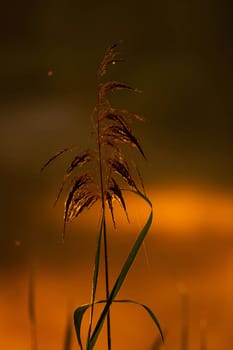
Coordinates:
[177,212]
[189,211]
[200,268]
[182,211]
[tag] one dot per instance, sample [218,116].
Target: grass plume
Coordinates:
[108,168]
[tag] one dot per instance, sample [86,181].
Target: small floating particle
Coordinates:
[50,73]
[17,243]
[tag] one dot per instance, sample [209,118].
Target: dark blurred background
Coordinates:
[180,55]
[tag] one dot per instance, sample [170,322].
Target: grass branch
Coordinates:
[103,181]
[106,269]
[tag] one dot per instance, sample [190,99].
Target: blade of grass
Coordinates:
[79,312]
[95,277]
[78,316]
[32,309]
[123,273]
[68,335]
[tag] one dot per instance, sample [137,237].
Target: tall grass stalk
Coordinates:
[184,320]
[68,335]
[101,175]
[203,334]
[86,187]
[32,310]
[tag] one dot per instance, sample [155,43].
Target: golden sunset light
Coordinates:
[123,112]
[177,212]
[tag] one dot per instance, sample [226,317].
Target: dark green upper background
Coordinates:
[178,52]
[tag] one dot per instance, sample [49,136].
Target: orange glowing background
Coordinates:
[190,246]
[180,55]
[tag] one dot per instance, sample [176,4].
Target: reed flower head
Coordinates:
[85,187]
[113,129]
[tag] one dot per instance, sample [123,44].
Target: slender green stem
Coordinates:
[107,285]
[104,228]
[95,281]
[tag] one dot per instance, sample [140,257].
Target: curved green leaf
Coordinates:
[81,310]
[123,273]
[149,311]
[78,316]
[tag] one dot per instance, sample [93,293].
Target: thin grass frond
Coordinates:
[76,197]
[124,135]
[121,167]
[114,116]
[118,130]
[59,153]
[113,85]
[83,200]
[60,190]
[121,115]
[134,115]
[110,57]
[114,192]
[109,197]
[79,160]
[115,188]
[106,141]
